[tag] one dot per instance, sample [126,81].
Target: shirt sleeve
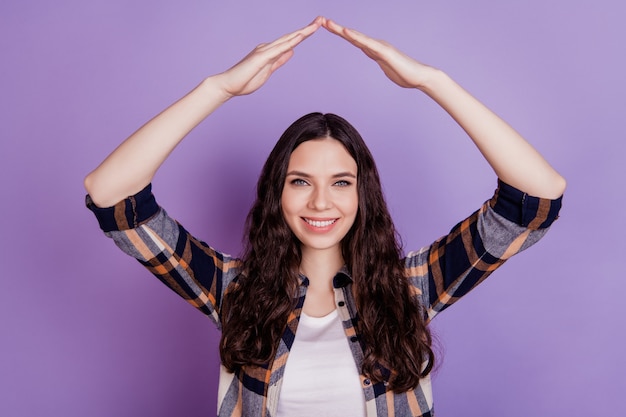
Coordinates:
[510,222]
[190,267]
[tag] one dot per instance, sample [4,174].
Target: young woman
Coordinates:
[322,315]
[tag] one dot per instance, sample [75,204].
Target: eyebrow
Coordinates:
[337,175]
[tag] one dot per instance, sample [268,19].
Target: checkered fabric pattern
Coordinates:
[441,273]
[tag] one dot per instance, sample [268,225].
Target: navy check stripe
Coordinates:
[441,274]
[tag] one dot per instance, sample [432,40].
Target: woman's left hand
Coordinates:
[513,159]
[398,67]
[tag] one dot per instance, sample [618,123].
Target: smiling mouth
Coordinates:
[320,223]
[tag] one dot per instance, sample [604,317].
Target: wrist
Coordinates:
[214,87]
[432,80]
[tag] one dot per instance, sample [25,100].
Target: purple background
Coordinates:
[85,331]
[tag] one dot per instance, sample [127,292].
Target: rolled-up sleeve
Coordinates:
[190,267]
[511,221]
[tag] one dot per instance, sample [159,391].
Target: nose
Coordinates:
[320,199]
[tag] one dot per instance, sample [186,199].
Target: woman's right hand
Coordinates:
[249,74]
[132,165]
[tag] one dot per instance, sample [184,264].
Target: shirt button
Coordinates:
[354,339]
[341,303]
[367,382]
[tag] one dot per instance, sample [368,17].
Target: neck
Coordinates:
[320,266]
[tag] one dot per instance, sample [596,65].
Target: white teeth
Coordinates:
[317,223]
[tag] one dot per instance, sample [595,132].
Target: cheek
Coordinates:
[286,202]
[294,199]
[291,206]
[351,203]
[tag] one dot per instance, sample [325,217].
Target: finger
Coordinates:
[334,27]
[281,60]
[344,32]
[371,47]
[356,38]
[306,31]
[289,41]
[269,60]
[273,51]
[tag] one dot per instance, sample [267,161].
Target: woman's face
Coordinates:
[320,199]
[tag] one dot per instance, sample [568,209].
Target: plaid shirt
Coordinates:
[441,273]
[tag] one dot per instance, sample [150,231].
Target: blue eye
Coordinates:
[343,183]
[299,181]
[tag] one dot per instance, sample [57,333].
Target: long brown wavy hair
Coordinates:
[390,321]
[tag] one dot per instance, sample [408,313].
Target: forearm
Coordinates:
[513,159]
[131,166]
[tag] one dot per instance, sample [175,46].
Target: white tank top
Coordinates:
[321,378]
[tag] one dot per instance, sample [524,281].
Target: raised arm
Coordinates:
[513,159]
[131,166]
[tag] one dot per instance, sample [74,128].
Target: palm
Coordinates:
[398,67]
[249,74]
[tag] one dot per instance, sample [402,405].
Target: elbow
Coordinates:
[560,185]
[554,188]
[88,183]
[91,186]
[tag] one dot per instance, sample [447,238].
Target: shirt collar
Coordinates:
[341,279]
